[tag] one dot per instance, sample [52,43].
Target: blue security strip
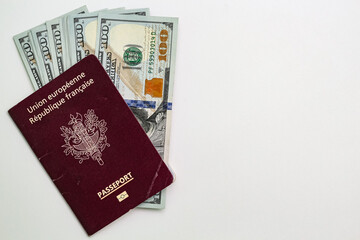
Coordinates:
[140,103]
[145,104]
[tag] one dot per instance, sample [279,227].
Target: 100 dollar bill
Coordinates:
[82,32]
[41,44]
[56,36]
[138,53]
[25,46]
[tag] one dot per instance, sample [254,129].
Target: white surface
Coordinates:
[265,138]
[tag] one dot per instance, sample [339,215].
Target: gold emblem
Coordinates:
[85,140]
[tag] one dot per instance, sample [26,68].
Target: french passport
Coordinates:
[91,145]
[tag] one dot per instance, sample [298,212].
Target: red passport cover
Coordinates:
[91,145]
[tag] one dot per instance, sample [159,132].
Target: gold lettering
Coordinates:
[115,186]
[163,46]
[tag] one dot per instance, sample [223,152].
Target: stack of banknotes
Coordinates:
[136,50]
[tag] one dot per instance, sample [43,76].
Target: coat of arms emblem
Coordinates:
[85,139]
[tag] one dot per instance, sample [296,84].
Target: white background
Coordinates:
[265,132]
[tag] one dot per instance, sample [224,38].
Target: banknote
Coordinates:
[41,44]
[138,53]
[65,25]
[25,46]
[56,36]
[82,32]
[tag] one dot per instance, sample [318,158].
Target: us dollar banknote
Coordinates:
[138,53]
[65,27]
[82,32]
[25,46]
[41,44]
[56,36]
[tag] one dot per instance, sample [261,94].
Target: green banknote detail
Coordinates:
[132,56]
[29,57]
[138,53]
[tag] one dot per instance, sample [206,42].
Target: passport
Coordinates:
[91,145]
